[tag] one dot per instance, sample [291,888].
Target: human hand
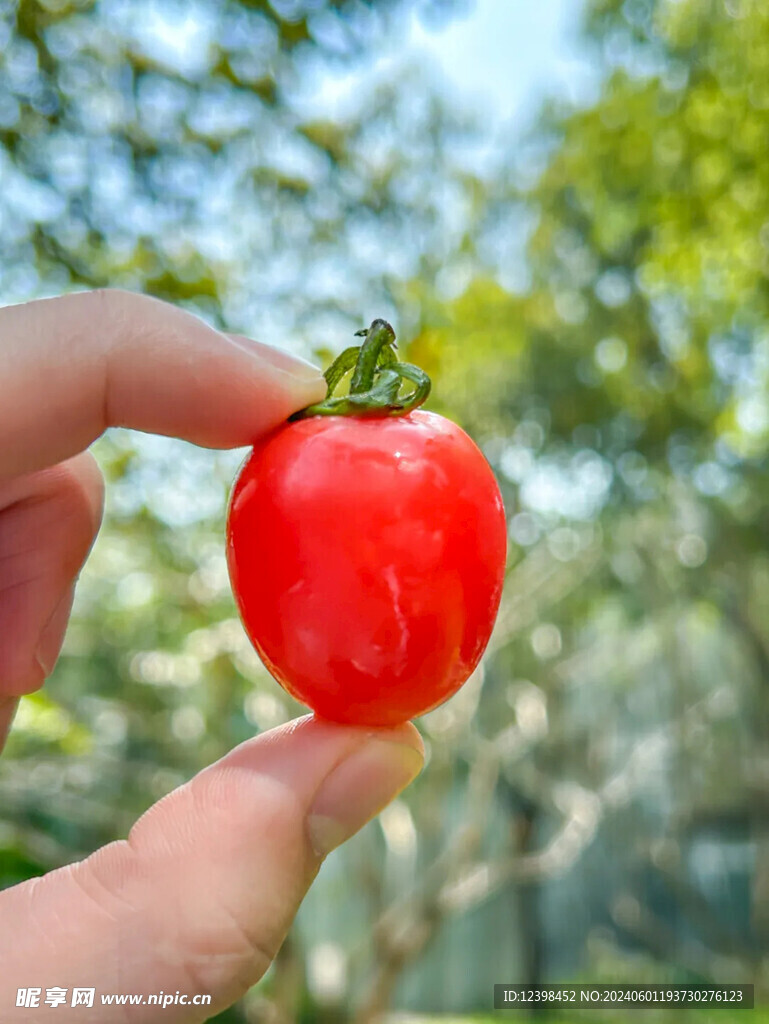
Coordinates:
[200,895]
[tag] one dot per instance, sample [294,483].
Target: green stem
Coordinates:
[376,380]
[379,335]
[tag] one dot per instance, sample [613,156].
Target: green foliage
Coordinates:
[181,154]
[589,793]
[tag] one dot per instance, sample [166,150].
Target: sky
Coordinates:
[502,57]
[506,54]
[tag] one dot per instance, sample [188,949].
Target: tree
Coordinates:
[172,149]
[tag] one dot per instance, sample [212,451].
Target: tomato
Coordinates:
[367,558]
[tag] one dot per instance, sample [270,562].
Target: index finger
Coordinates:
[72,366]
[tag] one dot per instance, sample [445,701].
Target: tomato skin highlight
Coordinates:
[367,559]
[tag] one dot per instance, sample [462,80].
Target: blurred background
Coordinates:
[563,207]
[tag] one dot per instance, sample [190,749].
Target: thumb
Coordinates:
[200,896]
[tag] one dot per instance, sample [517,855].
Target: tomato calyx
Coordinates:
[377,378]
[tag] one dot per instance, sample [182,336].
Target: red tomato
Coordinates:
[367,558]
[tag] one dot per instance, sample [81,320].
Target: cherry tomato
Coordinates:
[367,558]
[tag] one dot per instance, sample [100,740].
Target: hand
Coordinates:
[200,895]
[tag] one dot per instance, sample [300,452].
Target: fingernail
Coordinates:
[294,366]
[357,789]
[8,707]
[52,636]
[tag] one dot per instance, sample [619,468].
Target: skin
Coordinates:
[199,896]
